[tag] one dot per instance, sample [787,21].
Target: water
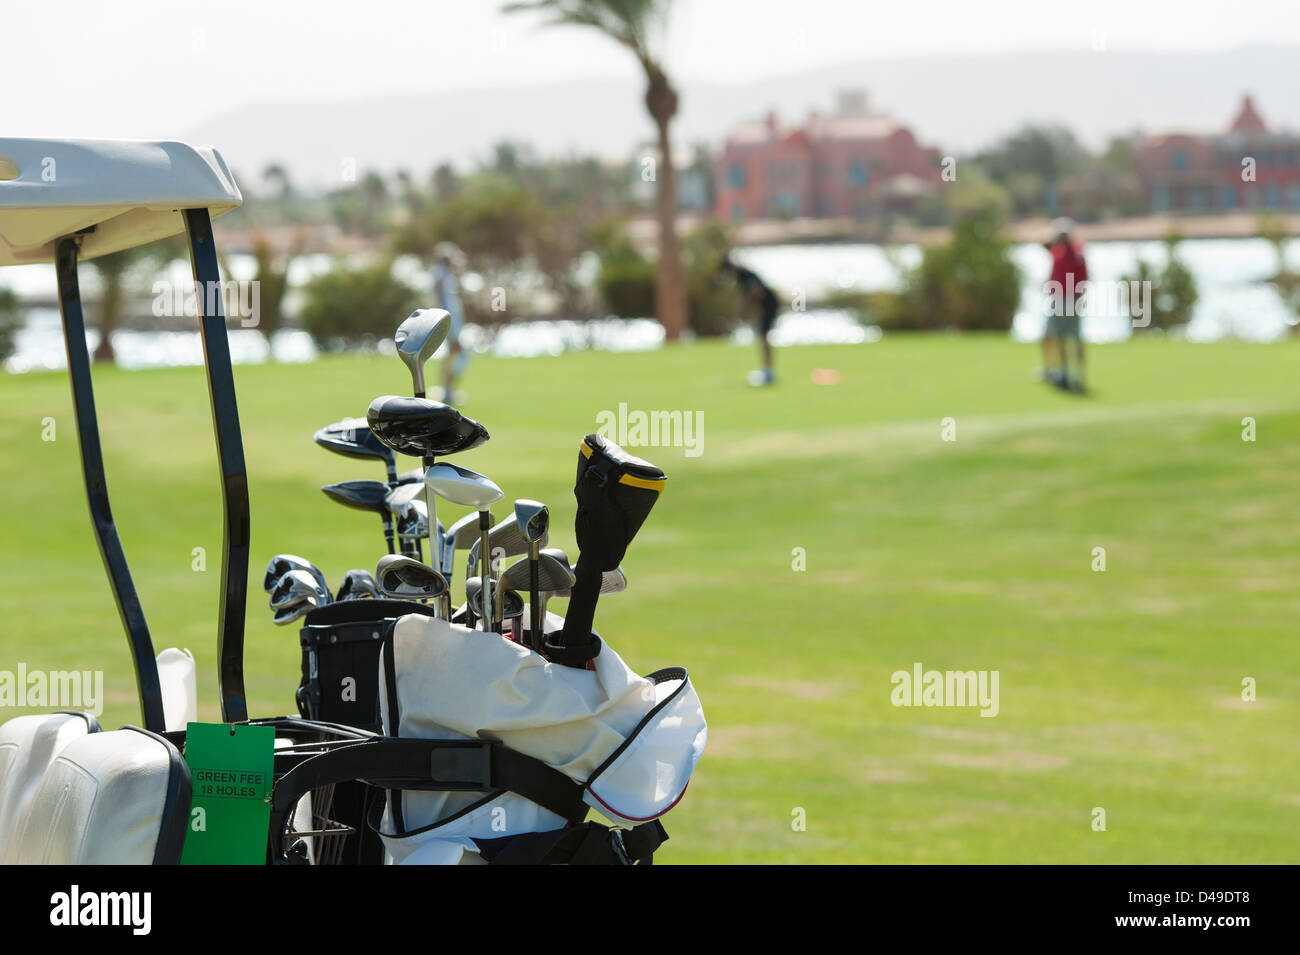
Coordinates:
[1236,301]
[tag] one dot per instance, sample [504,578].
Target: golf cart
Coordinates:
[72,793]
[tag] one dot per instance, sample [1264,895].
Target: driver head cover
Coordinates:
[615,492]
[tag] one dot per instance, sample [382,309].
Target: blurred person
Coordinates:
[448,260]
[1066,288]
[756,291]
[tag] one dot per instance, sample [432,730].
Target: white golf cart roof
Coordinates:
[130,192]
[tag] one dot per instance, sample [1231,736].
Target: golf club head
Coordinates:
[534,520]
[411,520]
[559,554]
[462,533]
[505,538]
[353,438]
[611,582]
[514,603]
[296,584]
[552,575]
[418,337]
[462,486]
[423,427]
[281,564]
[408,579]
[406,492]
[357,585]
[294,611]
[413,476]
[360,495]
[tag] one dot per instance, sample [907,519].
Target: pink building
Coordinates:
[853,164]
[1248,166]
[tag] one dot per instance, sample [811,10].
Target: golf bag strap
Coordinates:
[588,843]
[426,764]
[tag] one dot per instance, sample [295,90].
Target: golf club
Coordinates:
[469,489]
[541,574]
[506,539]
[426,428]
[534,520]
[417,338]
[514,603]
[294,611]
[406,579]
[365,496]
[463,533]
[296,584]
[357,585]
[281,564]
[353,438]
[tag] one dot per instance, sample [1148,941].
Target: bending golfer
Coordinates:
[1065,290]
[756,291]
[448,259]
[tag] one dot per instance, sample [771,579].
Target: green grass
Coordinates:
[1119,689]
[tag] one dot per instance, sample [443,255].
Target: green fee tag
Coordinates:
[231,767]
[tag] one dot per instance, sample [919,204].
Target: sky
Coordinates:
[143,68]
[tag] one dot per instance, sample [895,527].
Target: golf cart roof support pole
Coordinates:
[234,475]
[101,513]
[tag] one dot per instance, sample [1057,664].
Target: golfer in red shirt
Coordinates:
[1065,292]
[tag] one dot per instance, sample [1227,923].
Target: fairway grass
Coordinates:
[1120,690]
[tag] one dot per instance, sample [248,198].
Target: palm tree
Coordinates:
[630,23]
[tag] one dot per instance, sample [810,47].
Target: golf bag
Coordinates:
[552,742]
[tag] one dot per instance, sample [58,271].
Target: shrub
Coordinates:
[969,283]
[348,304]
[11,321]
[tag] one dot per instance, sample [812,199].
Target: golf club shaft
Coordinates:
[431,501]
[486,568]
[388,530]
[534,596]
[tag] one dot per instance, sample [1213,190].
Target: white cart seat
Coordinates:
[130,191]
[119,798]
[28,745]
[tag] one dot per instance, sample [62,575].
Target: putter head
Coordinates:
[353,438]
[406,578]
[357,585]
[552,575]
[423,427]
[281,564]
[295,585]
[534,519]
[361,495]
[418,337]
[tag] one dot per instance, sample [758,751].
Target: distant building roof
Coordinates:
[1248,120]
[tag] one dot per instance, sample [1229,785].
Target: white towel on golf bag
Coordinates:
[454,683]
